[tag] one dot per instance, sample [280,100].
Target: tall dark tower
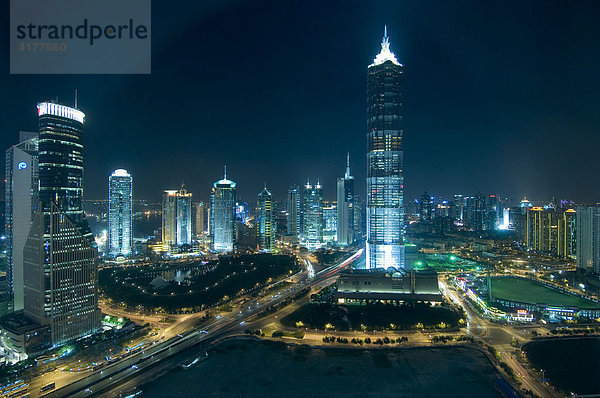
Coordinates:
[60,259]
[61,159]
[345,207]
[385,181]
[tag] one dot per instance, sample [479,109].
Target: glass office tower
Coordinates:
[120,202]
[222,207]
[385,211]
[345,207]
[60,259]
[294,212]
[266,238]
[312,216]
[21,200]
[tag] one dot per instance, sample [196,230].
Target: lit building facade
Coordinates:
[120,205]
[223,215]
[425,208]
[264,221]
[539,224]
[588,238]
[312,216]
[294,211]
[177,218]
[330,222]
[200,218]
[345,207]
[567,234]
[385,181]
[21,200]
[552,231]
[389,285]
[60,259]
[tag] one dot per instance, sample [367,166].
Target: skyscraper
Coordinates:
[21,200]
[266,239]
[493,213]
[425,208]
[330,222]
[200,218]
[312,216]
[61,159]
[294,211]
[120,202]
[588,238]
[385,181]
[345,207]
[222,206]
[539,231]
[567,233]
[177,217]
[459,202]
[60,260]
[479,213]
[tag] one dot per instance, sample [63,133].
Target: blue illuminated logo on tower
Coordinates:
[21,166]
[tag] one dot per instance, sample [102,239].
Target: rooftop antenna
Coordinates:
[225,172]
[75,98]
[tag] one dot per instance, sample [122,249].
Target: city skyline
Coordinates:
[468,131]
[462,218]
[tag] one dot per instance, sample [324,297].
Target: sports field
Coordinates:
[527,291]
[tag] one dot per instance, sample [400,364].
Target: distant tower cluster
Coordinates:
[385,181]
[120,205]
[223,215]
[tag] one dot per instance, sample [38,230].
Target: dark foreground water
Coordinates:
[247,368]
[571,364]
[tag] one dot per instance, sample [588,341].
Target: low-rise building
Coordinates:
[22,337]
[387,285]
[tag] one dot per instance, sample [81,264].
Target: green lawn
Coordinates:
[374,317]
[527,291]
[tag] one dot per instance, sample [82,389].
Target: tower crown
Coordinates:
[385,54]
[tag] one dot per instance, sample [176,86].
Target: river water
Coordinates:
[249,368]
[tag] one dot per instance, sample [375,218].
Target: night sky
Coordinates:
[499,96]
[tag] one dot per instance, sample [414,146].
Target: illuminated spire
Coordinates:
[347,176]
[225,172]
[385,54]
